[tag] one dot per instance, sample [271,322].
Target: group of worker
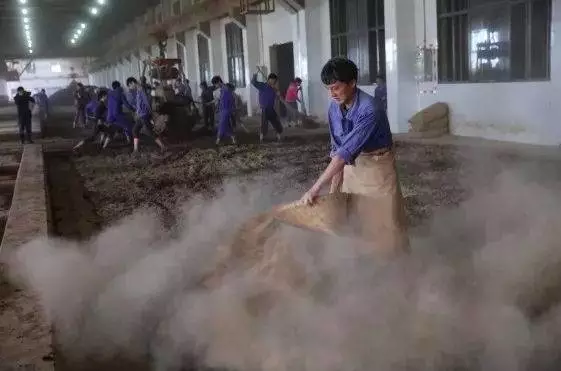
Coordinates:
[105,109]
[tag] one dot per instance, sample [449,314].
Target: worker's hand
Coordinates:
[310,197]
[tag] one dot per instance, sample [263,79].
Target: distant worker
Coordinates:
[238,105]
[292,98]
[81,99]
[362,157]
[116,98]
[42,101]
[208,106]
[381,93]
[225,110]
[143,115]
[91,109]
[25,103]
[100,127]
[267,98]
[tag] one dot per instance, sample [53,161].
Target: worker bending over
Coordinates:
[267,98]
[362,158]
[115,116]
[25,103]
[225,110]
[143,115]
[100,127]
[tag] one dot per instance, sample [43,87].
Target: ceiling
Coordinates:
[52,22]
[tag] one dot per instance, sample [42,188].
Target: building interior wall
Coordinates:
[517,111]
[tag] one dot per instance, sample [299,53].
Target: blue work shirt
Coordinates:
[267,94]
[381,96]
[42,100]
[142,103]
[91,108]
[227,101]
[362,128]
[115,100]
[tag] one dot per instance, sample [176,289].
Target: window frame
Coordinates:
[359,34]
[235,53]
[203,72]
[508,4]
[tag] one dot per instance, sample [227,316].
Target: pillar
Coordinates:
[401,49]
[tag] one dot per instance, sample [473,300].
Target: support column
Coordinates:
[3,89]
[253,58]
[399,20]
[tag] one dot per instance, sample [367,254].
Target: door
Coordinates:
[282,63]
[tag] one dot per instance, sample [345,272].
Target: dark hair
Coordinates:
[80,85]
[43,91]
[143,78]
[298,80]
[115,84]
[20,88]
[216,80]
[272,76]
[204,84]
[131,80]
[339,69]
[231,86]
[101,93]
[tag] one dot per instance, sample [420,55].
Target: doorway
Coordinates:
[282,63]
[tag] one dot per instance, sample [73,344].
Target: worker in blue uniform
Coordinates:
[226,107]
[142,115]
[267,98]
[362,157]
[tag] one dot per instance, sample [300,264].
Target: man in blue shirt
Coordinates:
[42,101]
[381,93]
[362,159]
[115,116]
[143,114]
[226,108]
[267,98]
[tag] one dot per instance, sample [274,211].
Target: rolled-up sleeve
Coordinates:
[353,142]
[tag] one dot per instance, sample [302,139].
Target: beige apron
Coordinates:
[382,219]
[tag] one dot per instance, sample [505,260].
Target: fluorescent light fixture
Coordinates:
[25,19]
[27,34]
[24,11]
[30,51]
[82,25]
[73,41]
[26,27]
[94,10]
[79,32]
[23,1]
[101,2]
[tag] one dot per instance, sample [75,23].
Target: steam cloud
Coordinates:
[471,296]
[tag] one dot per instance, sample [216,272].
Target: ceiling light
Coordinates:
[25,19]
[73,41]
[78,32]
[23,1]
[24,11]
[101,2]
[26,27]
[82,25]
[30,51]
[94,10]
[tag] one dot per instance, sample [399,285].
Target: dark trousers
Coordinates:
[234,120]
[80,117]
[208,114]
[24,124]
[269,115]
[100,129]
[145,122]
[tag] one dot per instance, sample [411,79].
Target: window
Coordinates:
[493,40]
[235,55]
[56,68]
[176,8]
[204,58]
[357,32]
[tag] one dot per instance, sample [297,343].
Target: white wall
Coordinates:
[522,111]
[46,74]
